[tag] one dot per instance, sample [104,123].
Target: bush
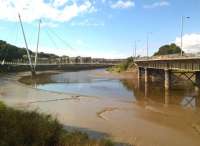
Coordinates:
[28,128]
[124,66]
[2,106]
[20,128]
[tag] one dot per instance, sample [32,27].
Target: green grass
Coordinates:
[29,128]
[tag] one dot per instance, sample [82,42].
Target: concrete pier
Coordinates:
[167,74]
[167,79]
[146,75]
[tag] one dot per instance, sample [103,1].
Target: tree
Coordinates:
[12,53]
[168,49]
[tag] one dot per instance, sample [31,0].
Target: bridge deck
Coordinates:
[185,64]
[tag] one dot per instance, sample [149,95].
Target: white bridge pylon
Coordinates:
[32,67]
[38,39]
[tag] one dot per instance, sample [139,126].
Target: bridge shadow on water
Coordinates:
[182,93]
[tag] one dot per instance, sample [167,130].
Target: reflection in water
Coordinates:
[186,96]
[124,109]
[167,97]
[86,83]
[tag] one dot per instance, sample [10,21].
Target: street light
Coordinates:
[182,25]
[135,54]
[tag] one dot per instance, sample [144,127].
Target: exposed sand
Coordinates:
[144,123]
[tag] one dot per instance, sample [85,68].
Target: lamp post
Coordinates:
[182,25]
[148,34]
[135,54]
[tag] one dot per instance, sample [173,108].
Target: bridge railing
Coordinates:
[166,57]
[24,63]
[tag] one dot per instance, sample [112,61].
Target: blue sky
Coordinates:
[101,28]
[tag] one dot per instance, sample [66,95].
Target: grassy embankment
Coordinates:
[29,128]
[127,65]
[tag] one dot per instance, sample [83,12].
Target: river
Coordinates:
[106,105]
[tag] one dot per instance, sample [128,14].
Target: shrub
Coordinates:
[124,66]
[29,128]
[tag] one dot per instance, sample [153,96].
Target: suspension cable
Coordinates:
[62,40]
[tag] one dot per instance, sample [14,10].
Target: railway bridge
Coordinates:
[189,67]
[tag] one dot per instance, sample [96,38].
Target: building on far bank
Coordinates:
[64,59]
[98,60]
[73,60]
[86,59]
[102,60]
[80,59]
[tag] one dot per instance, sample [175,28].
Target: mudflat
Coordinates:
[143,121]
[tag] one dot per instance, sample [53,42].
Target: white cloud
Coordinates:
[87,22]
[191,42]
[123,4]
[59,3]
[31,10]
[157,4]
[49,24]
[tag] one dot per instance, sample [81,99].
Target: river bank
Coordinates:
[15,68]
[30,128]
[126,120]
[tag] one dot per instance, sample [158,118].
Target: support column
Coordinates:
[146,75]
[167,79]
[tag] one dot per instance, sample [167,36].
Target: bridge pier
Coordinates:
[167,79]
[146,75]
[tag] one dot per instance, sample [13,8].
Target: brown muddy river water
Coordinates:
[112,106]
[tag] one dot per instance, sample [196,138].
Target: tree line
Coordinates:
[10,52]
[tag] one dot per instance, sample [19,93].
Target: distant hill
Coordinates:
[168,49]
[11,53]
